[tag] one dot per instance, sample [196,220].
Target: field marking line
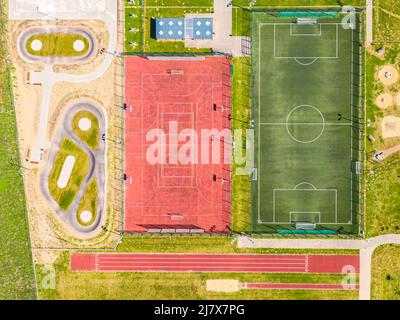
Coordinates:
[305,34]
[301,190]
[311,212]
[306,64]
[299,57]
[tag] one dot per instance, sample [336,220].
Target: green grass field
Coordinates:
[89,203]
[17,280]
[240,121]
[303,78]
[382,182]
[90,137]
[386,21]
[57,45]
[65,196]
[385,281]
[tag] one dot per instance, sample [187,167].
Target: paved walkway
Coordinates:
[48,78]
[366,248]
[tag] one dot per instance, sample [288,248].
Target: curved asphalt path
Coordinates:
[97,170]
[24,37]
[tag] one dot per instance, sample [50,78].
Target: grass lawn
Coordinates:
[17,280]
[382,182]
[190,285]
[240,120]
[65,196]
[134,29]
[89,203]
[203,244]
[386,21]
[90,137]
[385,282]
[57,45]
[240,22]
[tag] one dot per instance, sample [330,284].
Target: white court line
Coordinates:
[317,212]
[298,190]
[305,34]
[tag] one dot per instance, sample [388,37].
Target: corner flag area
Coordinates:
[170,101]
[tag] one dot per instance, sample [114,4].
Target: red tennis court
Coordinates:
[170,185]
[269,263]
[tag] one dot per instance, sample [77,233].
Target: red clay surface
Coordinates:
[299,286]
[173,196]
[215,263]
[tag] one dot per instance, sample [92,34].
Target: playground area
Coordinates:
[305,110]
[170,101]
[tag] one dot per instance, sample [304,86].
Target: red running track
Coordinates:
[266,263]
[299,286]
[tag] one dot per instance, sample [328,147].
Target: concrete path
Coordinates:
[369,28]
[48,78]
[366,247]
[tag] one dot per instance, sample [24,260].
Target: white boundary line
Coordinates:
[300,190]
[310,212]
[305,34]
[299,57]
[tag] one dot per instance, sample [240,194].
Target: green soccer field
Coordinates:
[305,79]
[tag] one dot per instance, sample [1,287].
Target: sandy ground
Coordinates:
[390,127]
[397,99]
[384,100]
[394,75]
[47,231]
[222,285]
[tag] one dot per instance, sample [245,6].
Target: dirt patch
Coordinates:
[388,75]
[388,152]
[222,285]
[390,127]
[384,101]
